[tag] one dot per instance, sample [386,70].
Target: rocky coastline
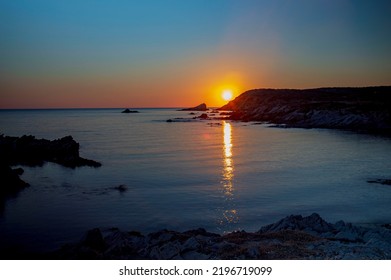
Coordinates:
[359,109]
[294,237]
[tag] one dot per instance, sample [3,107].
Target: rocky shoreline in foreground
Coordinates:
[294,237]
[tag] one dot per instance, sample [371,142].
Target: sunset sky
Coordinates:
[174,53]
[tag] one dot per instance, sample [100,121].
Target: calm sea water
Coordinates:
[222,176]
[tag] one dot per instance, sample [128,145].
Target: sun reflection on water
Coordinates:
[228,163]
[229,214]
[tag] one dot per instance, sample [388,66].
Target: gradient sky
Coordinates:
[173,53]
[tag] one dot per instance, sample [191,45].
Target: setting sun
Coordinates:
[227,95]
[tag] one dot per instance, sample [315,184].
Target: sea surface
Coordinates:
[218,175]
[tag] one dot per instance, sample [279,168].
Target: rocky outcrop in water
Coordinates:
[202,117]
[294,237]
[11,184]
[127,111]
[27,150]
[201,107]
[360,109]
[381,181]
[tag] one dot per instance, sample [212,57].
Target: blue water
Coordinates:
[222,176]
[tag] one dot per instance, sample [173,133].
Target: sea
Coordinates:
[219,175]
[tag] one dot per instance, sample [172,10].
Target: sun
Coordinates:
[227,94]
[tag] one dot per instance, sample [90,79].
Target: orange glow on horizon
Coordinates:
[218,96]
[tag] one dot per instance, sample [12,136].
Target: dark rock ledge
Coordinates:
[27,150]
[294,237]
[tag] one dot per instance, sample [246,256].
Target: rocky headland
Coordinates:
[364,109]
[294,237]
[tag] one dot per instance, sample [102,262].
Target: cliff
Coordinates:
[363,109]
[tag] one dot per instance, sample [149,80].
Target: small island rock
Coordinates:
[127,111]
[203,117]
[201,107]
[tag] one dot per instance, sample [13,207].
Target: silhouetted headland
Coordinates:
[364,109]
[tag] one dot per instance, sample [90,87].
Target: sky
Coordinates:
[177,53]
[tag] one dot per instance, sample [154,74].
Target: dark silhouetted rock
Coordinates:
[203,116]
[127,111]
[10,181]
[387,226]
[27,150]
[201,107]
[94,240]
[121,188]
[381,181]
[214,124]
[311,224]
[181,120]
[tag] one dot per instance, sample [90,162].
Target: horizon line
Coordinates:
[179,107]
[100,108]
